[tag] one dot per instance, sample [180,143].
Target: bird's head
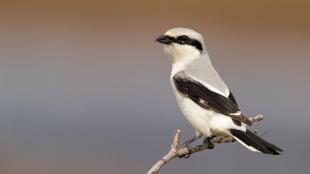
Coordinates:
[182,43]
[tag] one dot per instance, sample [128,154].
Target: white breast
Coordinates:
[194,114]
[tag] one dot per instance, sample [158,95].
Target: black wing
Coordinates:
[232,98]
[208,99]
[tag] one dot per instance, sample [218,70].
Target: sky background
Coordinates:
[85,89]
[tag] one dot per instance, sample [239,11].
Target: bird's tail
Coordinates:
[255,143]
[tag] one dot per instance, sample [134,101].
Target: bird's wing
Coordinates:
[232,98]
[209,99]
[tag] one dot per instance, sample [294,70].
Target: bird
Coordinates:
[203,97]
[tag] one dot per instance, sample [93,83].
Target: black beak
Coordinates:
[164,39]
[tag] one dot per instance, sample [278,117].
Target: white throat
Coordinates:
[178,52]
[181,56]
[180,65]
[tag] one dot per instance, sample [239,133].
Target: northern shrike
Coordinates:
[202,95]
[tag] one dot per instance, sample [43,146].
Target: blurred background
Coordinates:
[84,88]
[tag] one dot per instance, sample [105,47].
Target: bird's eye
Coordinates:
[183,39]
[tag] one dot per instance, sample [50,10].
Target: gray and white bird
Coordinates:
[202,95]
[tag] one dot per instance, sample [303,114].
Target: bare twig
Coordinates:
[257,118]
[185,152]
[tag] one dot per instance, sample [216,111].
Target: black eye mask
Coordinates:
[182,40]
[185,40]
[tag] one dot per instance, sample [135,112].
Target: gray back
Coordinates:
[203,70]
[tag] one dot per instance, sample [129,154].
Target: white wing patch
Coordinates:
[225,94]
[236,113]
[201,101]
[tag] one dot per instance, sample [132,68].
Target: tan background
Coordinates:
[84,88]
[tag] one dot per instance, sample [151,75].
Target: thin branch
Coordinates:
[170,155]
[185,152]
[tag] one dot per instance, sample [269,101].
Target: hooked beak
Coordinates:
[164,39]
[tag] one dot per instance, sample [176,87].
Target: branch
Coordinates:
[185,152]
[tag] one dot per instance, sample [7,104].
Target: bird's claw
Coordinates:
[208,142]
[186,155]
[211,145]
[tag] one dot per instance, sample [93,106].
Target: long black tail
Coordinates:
[250,139]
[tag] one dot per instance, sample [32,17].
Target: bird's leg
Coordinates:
[207,141]
[186,143]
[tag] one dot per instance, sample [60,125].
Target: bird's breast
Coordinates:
[194,114]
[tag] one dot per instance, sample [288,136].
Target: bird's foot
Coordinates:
[208,142]
[186,155]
